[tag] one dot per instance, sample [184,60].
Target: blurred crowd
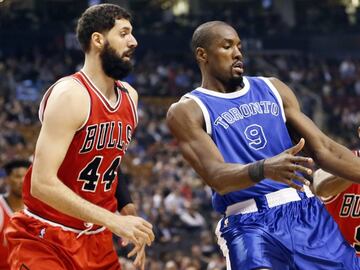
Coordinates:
[165,189]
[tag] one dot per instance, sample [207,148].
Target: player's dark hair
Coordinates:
[14,164]
[98,18]
[203,34]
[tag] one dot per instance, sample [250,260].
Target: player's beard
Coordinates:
[236,82]
[113,65]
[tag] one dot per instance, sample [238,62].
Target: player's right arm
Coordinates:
[186,122]
[327,185]
[66,111]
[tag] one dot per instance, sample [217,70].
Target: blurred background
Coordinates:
[313,46]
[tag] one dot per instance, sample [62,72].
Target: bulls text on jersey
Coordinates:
[350,206]
[102,136]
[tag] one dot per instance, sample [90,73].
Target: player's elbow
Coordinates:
[215,183]
[38,189]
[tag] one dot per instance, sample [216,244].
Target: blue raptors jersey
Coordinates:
[246,126]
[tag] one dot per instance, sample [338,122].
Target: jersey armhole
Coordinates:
[132,103]
[204,111]
[276,94]
[330,199]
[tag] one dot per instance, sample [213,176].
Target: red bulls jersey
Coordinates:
[90,165]
[345,209]
[5,214]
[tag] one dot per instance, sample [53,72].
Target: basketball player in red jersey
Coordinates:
[87,122]
[342,200]
[11,202]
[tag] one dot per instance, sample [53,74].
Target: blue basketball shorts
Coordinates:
[299,235]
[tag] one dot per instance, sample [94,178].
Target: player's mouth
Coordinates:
[127,55]
[238,67]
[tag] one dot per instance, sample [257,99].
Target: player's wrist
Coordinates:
[256,171]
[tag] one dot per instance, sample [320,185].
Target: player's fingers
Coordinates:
[299,168]
[144,236]
[147,224]
[133,251]
[133,239]
[300,179]
[140,257]
[296,148]
[293,185]
[148,231]
[304,160]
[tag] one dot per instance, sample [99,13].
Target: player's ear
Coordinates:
[359,131]
[200,54]
[98,40]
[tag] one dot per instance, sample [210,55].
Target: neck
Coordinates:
[212,83]
[16,203]
[93,69]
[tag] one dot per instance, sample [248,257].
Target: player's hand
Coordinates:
[284,167]
[139,261]
[133,229]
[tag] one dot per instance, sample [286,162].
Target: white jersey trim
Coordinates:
[133,108]
[232,95]
[277,95]
[330,199]
[102,97]
[204,111]
[222,244]
[63,227]
[47,94]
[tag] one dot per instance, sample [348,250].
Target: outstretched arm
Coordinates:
[65,112]
[328,154]
[186,121]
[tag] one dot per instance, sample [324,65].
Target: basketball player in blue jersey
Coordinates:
[233,131]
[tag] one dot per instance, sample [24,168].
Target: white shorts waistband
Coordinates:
[63,227]
[273,199]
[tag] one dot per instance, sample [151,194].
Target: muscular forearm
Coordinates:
[71,204]
[227,177]
[339,161]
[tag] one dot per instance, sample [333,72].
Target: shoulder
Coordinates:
[183,108]
[69,88]
[287,95]
[132,92]
[185,111]
[69,99]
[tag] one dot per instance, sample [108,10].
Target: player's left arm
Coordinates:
[328,154]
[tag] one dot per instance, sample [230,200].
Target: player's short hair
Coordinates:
[203,34]
[16,163]
[98,18]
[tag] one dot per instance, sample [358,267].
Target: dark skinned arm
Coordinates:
[186,122]
[328,154]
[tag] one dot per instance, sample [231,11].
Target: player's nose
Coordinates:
[132,42]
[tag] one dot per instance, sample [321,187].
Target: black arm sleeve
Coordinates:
[122,192]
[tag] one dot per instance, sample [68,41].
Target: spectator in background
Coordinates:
[11,201]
